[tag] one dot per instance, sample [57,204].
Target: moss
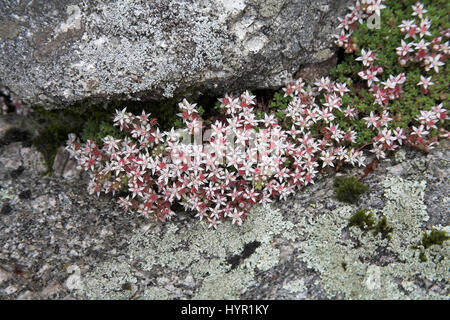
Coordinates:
[362,219]
[126,286]
[423,257]
[348,189]
[435,237]
[383,228]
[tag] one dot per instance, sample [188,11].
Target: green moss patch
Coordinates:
[348,189]
[365,220]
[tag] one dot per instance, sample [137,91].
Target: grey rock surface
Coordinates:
[58,242]
[55,53]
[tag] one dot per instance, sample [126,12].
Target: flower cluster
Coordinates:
[429,55]
[387,138]
[239,161]
[220,168]
[385,91]
[359,13]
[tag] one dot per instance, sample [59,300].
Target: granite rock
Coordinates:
[56,53]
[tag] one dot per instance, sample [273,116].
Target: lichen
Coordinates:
[5,194]
[106,282]
[328,249]
[295,286]
[155,293]
[201,251]
[346,259]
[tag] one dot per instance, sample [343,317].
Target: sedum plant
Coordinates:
[250,154]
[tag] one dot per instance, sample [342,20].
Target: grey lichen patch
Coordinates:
[400,155]
[406,211]
[155,293]
[6,194]
[295,286]
[346,258]
[111,280]
[324,55]
[93,51]
[201,252]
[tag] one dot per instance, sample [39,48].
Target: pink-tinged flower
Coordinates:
[341,88]
[144,117]
[428,119]
[289,90]
[136,189]
[342,39]
[237,217]
[344,23]
[265,197]
[367,57]
[375,7]
[251,194]
[234,194]
[324,84]
[188,107]
[425,25]
[370,76]
[444,133]
[350,112]
[350,136]
[327,157]
[158,136]
[422,45]
[384,118]
[406,25]
[418,10]
[248,99]
[404,49]
[445,48]
[122,118]
[425,82]
[441,113]
[433,62]
[420,131]
[371,120]
[125,203]
[379,152]
[399,135]
[410,28]
[212,223]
